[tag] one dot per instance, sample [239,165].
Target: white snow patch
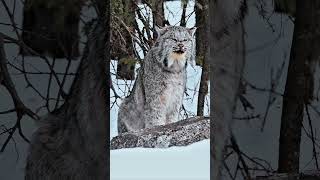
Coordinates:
[175,163]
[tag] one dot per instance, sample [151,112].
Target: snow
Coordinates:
[191,162]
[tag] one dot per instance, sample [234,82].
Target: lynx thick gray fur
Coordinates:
[157,94]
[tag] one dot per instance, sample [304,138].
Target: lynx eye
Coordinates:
[174,39]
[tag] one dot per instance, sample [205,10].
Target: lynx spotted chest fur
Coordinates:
[157,94]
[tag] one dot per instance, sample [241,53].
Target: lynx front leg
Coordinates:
[154,116]
[173,116]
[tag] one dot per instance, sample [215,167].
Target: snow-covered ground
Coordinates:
[175,163]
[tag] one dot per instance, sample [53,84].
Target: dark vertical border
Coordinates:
[211,84]
[107,55]
[107,12]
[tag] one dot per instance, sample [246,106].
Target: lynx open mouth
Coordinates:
[179,51]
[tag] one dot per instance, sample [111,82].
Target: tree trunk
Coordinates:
[157,12]
[227,53]
[122,45]
[71,142]
[183,21]
[202,43]
[299,85]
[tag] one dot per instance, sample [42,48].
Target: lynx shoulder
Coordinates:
[158,90]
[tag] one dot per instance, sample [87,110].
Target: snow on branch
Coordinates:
[180,133]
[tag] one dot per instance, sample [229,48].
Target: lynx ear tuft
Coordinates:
[192,31]
[160,31]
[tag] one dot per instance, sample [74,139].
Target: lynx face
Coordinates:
[176,47]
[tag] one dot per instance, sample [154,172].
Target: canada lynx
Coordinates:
[157,94]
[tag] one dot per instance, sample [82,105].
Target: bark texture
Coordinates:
[157,12]
[202,50]
[122,44]
[181,133]
[299,86]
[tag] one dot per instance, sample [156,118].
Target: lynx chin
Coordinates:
[157,95]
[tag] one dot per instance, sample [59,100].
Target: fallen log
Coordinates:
[181,133]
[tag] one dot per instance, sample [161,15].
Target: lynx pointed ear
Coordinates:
[160,31]
[192,31]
